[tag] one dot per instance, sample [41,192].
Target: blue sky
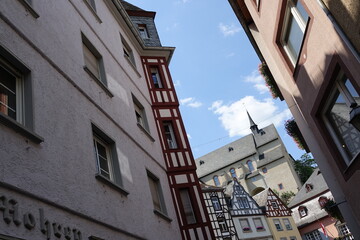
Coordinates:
[214,69]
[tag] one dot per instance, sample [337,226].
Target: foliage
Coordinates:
[287,196]
[270,81]
[333,210]
[305,166]
[293,131]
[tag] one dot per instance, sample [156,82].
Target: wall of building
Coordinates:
[301,93]
[285,232]
[253,233]
[58,175]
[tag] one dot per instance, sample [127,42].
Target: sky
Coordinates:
[215,72]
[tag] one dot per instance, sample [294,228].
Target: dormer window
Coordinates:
[309,187]
[323,201]
[143,31]
[303,212]
[274,204]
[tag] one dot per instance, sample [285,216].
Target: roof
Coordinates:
[262,197]
[210,188]
[130,7]
[234,152]
[319,185]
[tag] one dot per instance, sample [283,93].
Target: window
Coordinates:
[106,157]
[216,181]
[216,203]
[293,29]
[314,235]
[187,206]
[264,170]
[128,53]
[336,117]
[156,77]
[258,224]
[292,238]
[281,186]
[287,224]
[222,225]
[143,31]
[309,187]
[283,238]
[278,225]
[170,136]
[140,114]
[274,204]
[233,173]
[344,231]
[250,165]
[93,61]
[11,92]
[243,202]
[156,193]
[302,211]
[323,201]
[261,156]
[244,223]
[92,4]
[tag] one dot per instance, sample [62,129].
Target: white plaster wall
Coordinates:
[254,234]
[62,169]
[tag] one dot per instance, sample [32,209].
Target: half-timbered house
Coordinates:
[248,217]
[219,213]
[278,215]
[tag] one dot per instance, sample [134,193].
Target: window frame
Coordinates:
[275,221]
[258,227]
[190,204]
[313,235]
[250,165]
[246,228]
[233,172]
[29,6]
[157,184]
[115,181]
[291,11]
[303,212]
[172,134]
[287,224]
[140,114]
[216,180]
[155,70]
[25,128]
[128,53]
[143,31]
[216,204]
[223,225]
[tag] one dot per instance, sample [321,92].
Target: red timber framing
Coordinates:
[181,169]
[275,207]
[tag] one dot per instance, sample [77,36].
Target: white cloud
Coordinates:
[259,82]
[172,26]
[230,55]
[228,30]
[234,119]
[190,102]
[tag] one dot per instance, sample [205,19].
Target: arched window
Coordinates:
[303,212]
[323,201]
[250,165]
[264,170]
[216,181]
[233,173]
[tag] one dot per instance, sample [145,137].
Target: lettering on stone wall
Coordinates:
[51,230]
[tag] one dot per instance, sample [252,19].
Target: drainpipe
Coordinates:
[339,30]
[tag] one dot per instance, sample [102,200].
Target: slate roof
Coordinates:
[319,185]
[242,148]
[209,188]
[130,7]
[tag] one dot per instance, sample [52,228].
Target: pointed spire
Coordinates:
[253,126]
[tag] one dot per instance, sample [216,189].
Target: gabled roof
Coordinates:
[129,6]
[317,181]
[234,152]
[261,198]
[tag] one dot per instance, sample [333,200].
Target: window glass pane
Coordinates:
[294,37]
[7,93]
[156,77]
[91,62]
[352,91]
[216,181]
[216,203]
[170,136]
[188,209]
[233,173]
[348,136]
[103,159]
[302,11]
[154,189]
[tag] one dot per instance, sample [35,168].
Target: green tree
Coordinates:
[287,196]
[305,166]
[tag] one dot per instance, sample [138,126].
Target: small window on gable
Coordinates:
[94,65]
[157,81]
[243,202]
[303,212]
[293,29]
[216,181]
[216,203]
[143,31]
[274,204]
[156,193]
[309,187]
[343,98]
[127,51]
[140,114]
[170,135]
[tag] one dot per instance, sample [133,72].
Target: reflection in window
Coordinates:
[170,136]
[187,206]
[216,181]
[156,77]
[250,165]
